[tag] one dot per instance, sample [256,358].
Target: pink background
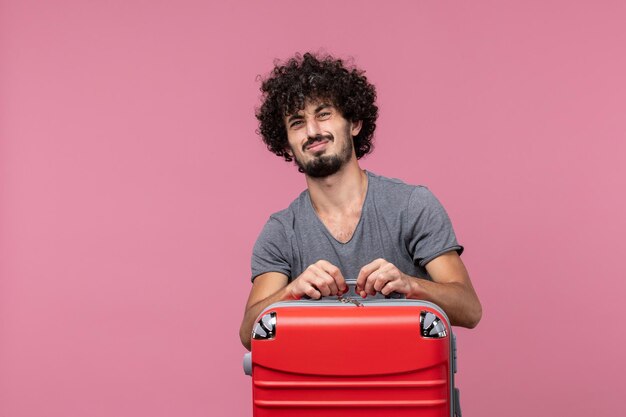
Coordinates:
[132,187]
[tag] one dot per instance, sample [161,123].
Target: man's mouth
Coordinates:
[316,144]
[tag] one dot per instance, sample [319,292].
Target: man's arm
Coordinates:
[267,289]
[320,279]
[450,288]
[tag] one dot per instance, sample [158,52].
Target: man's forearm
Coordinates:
[252,312]
[459,301]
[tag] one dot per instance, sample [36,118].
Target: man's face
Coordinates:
[320,139]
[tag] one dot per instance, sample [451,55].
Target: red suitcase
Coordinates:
[331,358]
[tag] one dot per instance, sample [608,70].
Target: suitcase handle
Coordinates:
[352,293]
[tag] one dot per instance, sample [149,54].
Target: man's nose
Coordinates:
[313,128]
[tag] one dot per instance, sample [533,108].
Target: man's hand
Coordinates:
[450,288]
[384,277]
[320,279]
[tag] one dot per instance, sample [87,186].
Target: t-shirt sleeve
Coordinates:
[430,232]
[271,250]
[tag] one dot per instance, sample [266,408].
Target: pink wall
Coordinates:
[132,187]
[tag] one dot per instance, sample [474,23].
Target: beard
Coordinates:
[325,165]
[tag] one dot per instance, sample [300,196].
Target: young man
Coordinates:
[349,224]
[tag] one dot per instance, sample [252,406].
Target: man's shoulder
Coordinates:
[394,188]
[294,210]
[393,196]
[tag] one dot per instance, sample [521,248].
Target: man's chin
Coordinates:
[321,167]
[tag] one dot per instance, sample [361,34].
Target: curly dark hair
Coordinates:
[310,77]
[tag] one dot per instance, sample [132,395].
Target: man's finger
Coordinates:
[388,288]
[381,280]
[329,284]
[335,274]
[321,280]
[368,288]
[312,293]
[324,281]
[366,271]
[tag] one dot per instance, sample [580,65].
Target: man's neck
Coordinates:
[341,192]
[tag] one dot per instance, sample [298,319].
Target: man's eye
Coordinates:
[296,123]
[324,115]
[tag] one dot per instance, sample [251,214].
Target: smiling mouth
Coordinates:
[317,143]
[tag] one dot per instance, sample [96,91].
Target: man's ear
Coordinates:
[356,127]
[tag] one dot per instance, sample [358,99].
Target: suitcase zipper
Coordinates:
[346,300]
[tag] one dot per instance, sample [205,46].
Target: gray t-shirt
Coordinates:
[403,224]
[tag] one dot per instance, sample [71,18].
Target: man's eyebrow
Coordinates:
[317,109]
[322,107]
[295,117]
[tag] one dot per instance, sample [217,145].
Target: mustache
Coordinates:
[317,138]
